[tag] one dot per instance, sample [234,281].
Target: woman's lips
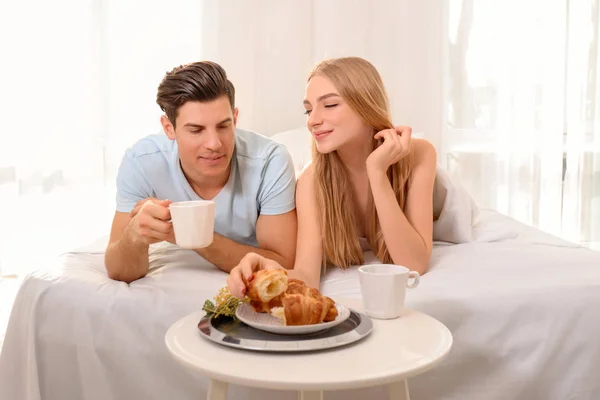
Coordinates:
[321,134]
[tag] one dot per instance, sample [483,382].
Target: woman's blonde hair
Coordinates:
[360,85]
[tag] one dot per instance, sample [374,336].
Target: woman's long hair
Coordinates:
[358,83]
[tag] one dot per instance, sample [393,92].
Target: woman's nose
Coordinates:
[314,119]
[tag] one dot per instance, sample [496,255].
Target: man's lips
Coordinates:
[211,160]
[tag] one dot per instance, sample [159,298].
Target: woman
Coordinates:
[369,186]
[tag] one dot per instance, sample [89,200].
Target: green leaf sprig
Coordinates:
[225,304]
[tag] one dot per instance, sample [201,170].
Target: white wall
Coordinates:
[269,47]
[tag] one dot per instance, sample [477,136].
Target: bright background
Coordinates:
[508,92]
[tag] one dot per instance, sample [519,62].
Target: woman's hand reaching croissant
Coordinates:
[245,270]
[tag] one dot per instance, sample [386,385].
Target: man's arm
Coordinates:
[126,258]
[276,237]
[276,226]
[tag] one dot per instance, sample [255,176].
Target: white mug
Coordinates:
[193,223]
[383,288]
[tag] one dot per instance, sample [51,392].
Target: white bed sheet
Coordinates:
[523,310]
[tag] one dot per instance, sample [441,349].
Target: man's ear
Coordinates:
[235,116]
[167,127]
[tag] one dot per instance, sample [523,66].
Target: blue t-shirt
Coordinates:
[262,181]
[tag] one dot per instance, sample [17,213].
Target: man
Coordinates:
[203,156]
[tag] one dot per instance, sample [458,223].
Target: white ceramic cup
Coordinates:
[383,288]
[193,223]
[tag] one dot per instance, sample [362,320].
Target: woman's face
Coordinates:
[331,121]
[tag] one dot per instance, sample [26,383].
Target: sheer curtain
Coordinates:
[523,116]
[52,124]
[79,80]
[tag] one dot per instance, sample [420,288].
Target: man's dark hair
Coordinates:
[202,81]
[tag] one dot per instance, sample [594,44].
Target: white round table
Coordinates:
[395,350]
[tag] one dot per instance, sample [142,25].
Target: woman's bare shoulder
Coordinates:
[305,190]
[306,175]
[423,153]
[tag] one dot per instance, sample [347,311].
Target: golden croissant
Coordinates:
[266,285]
[300,309]
[289,299]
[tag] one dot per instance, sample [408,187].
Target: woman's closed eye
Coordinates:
[307,112]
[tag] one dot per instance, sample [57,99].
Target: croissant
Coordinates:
[305,309]
[265,290]
[295,286]
[301,305]
[261,307]
[289,299]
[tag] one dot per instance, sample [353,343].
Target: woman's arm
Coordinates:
[309,247]
[408,234]
[309,250]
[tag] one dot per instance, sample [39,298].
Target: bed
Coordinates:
[523,308]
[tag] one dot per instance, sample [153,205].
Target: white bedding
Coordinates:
[522,307]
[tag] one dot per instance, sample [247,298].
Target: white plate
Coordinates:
[267,322]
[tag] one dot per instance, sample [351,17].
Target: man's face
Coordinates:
[205,135]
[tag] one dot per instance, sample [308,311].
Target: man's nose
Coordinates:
[213,142]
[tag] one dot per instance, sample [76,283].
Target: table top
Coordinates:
[396,349]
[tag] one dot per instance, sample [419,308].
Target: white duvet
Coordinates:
[523,308]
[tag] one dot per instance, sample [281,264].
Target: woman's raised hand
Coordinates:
[395,146]
[244,272]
